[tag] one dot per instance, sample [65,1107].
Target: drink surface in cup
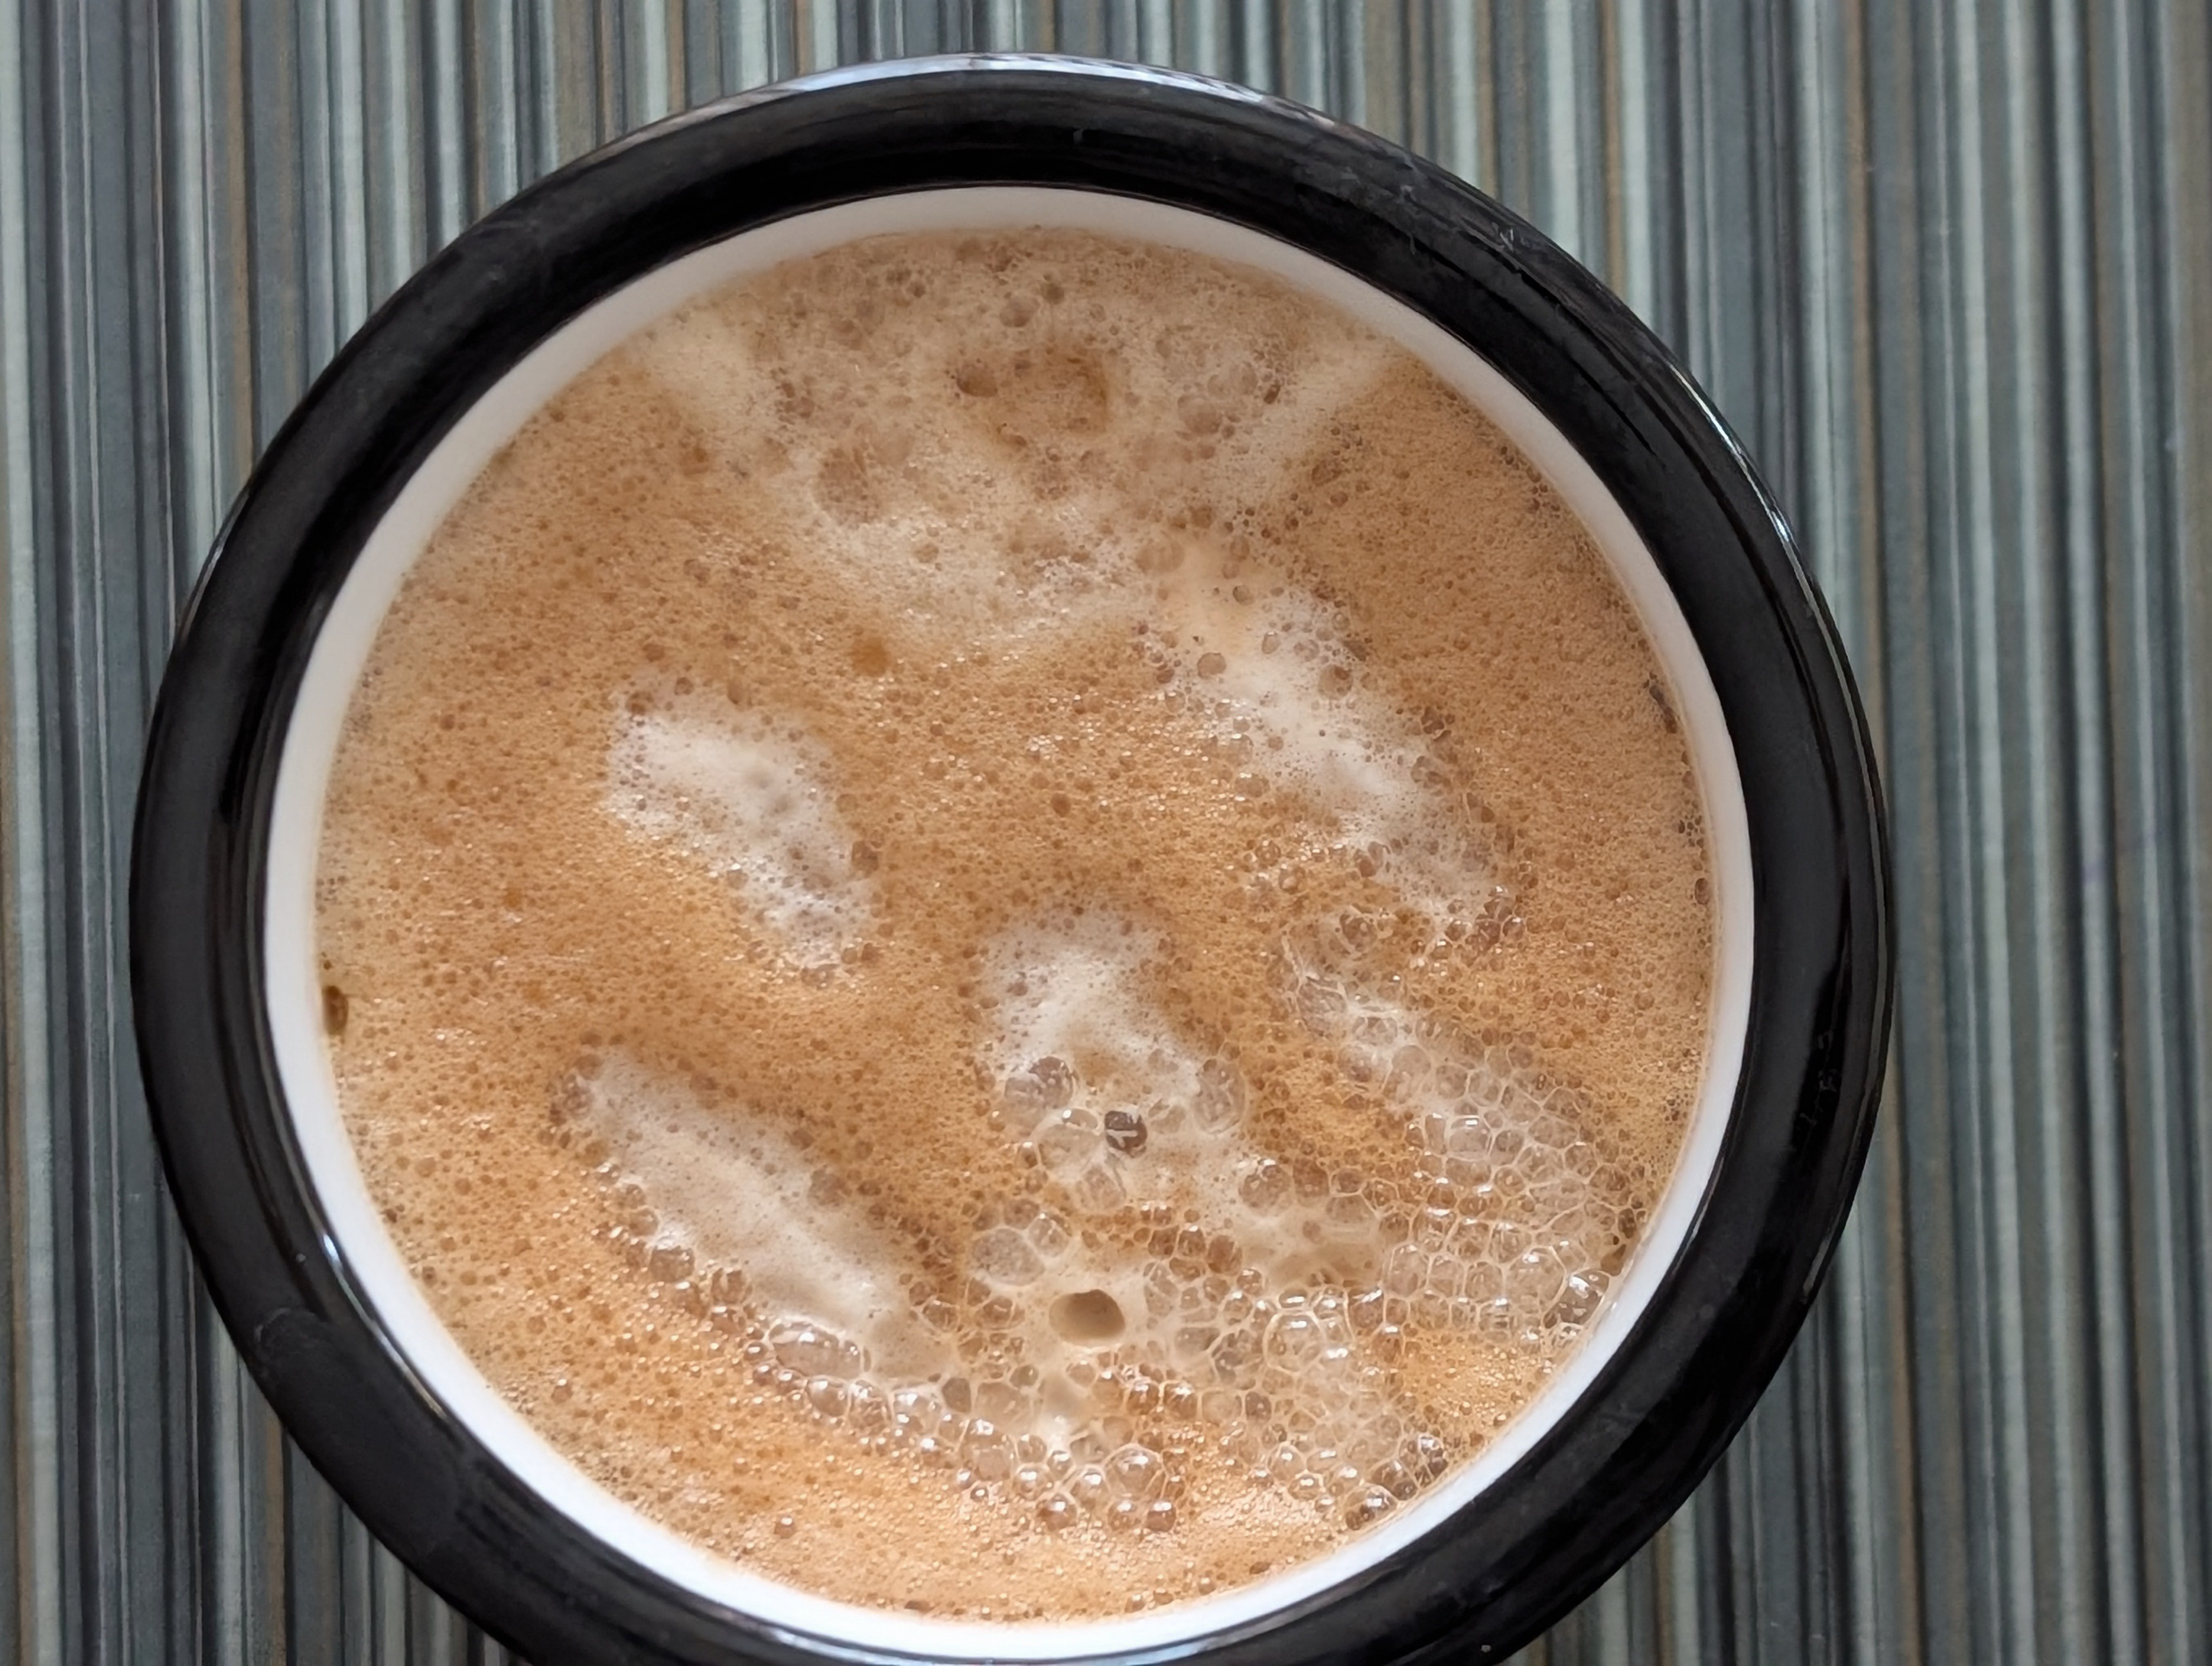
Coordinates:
[1014,926]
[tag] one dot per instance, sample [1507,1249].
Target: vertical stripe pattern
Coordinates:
[1946,267]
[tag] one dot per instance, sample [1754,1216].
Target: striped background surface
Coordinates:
[1949,269]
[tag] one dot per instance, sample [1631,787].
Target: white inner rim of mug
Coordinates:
[294,981]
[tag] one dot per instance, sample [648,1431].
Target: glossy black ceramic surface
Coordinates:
[1618,1463]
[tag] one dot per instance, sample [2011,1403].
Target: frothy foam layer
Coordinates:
[1014,926]
[748,795]
[713,1194]
[1277,682]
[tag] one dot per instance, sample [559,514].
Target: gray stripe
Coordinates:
[1949,267]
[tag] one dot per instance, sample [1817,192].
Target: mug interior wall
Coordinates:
[341,650]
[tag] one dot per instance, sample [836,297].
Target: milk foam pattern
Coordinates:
[1228,1308]
[1022,926]
[747,793]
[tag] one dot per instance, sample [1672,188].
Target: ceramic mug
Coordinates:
[345,1346]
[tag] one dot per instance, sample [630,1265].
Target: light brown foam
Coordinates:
[1014,925]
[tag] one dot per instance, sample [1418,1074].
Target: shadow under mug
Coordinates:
[223,966]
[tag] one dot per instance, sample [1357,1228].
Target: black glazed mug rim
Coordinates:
[1619,1459]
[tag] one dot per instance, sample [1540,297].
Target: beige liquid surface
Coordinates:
[1014,926]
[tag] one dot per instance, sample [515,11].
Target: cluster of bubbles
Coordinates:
[1272,1386]
[1091,1149]
[1518,1217]
[986,1432]
[1099,1351]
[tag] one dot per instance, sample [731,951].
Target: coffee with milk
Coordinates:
[1014,926]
